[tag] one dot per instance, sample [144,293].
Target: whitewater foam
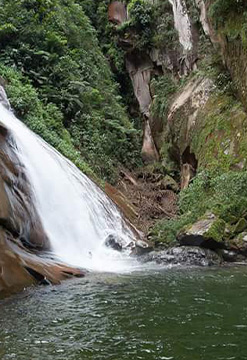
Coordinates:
[76,214]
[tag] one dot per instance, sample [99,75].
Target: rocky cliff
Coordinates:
[186,61]
[181,72]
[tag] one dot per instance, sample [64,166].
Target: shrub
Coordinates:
[225,195]
[54,46]
[44,119]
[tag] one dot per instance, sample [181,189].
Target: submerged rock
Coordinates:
[184,255]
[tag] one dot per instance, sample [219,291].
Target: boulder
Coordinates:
[239,243]
[208,232]
[184,255]
[141,247]
[135,247]
[114,242]
[20,268]
[240,226]
[168,183]
[231,256]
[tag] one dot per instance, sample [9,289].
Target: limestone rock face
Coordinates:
[195,133]
[149,151]
[117,12]
[140,67]
[234,54]
[188,103]
[203,6]
[182,23]
[228,37]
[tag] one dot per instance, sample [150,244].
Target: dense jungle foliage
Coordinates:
[58,78]
[64,70]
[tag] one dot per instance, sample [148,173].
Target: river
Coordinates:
[176,313]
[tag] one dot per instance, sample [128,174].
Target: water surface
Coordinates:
[181,314]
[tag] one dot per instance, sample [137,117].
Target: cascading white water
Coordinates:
[75,213]
[182,23]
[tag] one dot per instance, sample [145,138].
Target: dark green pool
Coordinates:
[182,314]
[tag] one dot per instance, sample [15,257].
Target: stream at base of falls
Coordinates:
[177,313]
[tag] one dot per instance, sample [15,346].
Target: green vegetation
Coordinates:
[225,195]
[219,137]
[230,19]
[55,50]
[44,119]
[65,86]
[141,20]
[164,34]
[221,9]
[163,87]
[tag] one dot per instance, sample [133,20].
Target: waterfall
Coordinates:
[77,216]
[182,23]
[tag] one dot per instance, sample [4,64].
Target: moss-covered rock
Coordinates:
[240,243]
[240,226]
[207,232]
[210,125]
[229,20]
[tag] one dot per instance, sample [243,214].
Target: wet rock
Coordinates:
[18,214]
[136,247]
[126,207]
[231,256]
[184,255]
[141,247]
[114,243]
[208,232]
[20,268]
[3,96]
[22,236]
[239,243]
